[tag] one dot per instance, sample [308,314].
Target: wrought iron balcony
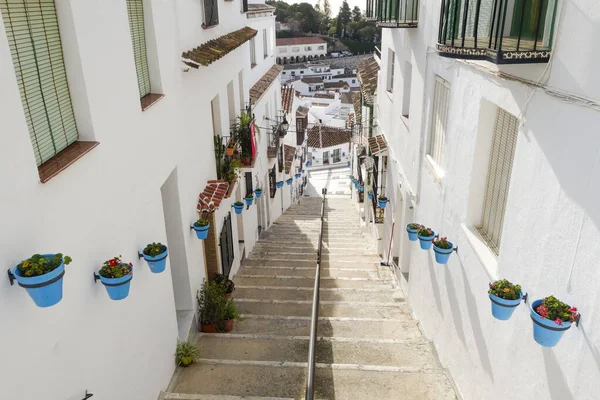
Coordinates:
[500,31]
[393,13]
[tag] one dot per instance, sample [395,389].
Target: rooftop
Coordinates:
[212,195]
[346,98]
[323,95]
[357,107]
[377,144]
[287,98]
[347,75]
[215,49]
[335,85]
[260,8]
[264,82]
[367,75]
[312,79]
[321,136]
[288,157]
[299,40]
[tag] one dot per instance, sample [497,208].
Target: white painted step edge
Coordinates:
[185,396]
[319,338]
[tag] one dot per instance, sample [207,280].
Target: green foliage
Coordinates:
[423,231]
[505,290]
[240,132]
[186,353]
[154,249]
[442,243]
[227,283]
[414,226]
[201,222]
[259,190]
[38,265]
[358,47]
[214,307]
[115,268]
[557,311]
[219,148]
[382,198]
[356,14]
[232,311]
[249,196]
[238,203]
[233,171]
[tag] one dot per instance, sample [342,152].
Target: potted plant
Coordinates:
[227,283]
[249,199]
[370,195]
[361,188]
[412,229]
[426,236]
[356,184]
[238,206]
[233,171]
[201,227]
[116,277]
[382,200]
[213,307]
[231,315]
[258,193]
[42,276]
[442,249]
[155,255]
[279,184]
[186,354]
[289,181]
[551,318]
[505,297]
[229,150]
[298,176]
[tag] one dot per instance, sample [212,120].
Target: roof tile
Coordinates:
[215,49]
[261,86]
[212,195]
[299,40]
[321,136]
[287,98]
[377,144]
[288,157]
[367,75]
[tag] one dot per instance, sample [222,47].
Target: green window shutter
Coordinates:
[135,10]
[35,46]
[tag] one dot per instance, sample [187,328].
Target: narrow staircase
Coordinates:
[369,346]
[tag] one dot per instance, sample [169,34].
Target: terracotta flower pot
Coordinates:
[229,325]
[208,328]
[228,295]
[246,160]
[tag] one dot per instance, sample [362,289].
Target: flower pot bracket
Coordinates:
[11,277]
[96,277]
[87,395]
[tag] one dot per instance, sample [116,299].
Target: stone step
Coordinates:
[416,354]
[314,241]
[397,311]
[325,272]
[295,257]
[329,327]
[287,380]
[262,280]
[326,294]
[185,396]
[293,247]
[279,261]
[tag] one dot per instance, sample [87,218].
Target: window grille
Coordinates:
[211,13]
[441,96]
[504,143]
[265,48]
[34,40]
[272,182]
[390,84]
[135,10]
[252,52]
[249,188]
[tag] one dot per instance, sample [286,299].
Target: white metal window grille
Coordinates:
[441,95]
[252,52]
[135,11]
[502,154]
[390,82]
[265,44]
[34,40]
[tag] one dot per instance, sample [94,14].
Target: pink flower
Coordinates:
[542,311]
[573,309]
[558,321]
[131,264]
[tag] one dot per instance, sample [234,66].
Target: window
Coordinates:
[211,13]
[265,44]
[282,49]
[244,6]
[252,52]
[437,139]
[135,11]
[34,39]
[248,179]
[336,155]
[301,72]
[295,49]
[502,153]
[321,47]
[353,80]
[293,73]
[307,48]
[406,89]
[390,72]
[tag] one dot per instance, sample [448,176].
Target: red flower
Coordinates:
[542,311]
[131,264]
[112,262]
[573,309]
[558,321]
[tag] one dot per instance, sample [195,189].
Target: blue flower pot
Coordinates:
[117,288]
[412,234]
[356,185]
[442,255]
[370,195]
[248,201]
[307,164]
[382,203]
[258,193]
[298,176]
[304,171]
[157,264]
[45,290]
[201,231]
[238,208]
[289,181]
[279,184]
[502,309]
[426,241]
[361,188]
[546,332]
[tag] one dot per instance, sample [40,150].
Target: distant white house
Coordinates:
[308,85]
[300,49]
[327,146]
[292,72]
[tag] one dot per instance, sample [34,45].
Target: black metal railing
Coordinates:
[274,138]
[393,13]
[501,31]
[310,371]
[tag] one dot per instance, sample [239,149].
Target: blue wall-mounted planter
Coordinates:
[258,193]
[45,290]
[298,176]
[157,264]
[361,188]
[382,203]
[117,288]
[238,208]
[289,181]
[502,309]
[442,255]
[546,332]
[412,234]
[248,201]
[370,195]
[279,184]
[426,241]
[201,231]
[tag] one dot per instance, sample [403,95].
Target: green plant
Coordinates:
[259,190]
[213,304]
[186,353]
[557,311]
[154,249]
[38,265]
[383,198]
[238,203]
[115,268]
[233,170]
[231,311]
[442,243]
[414,226]
[241,132]
[227,283]
[250,196]
[201,222]
[423,231]
[505,290]
[219,155]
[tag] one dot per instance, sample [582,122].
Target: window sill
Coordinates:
[65,158]
[252,65]
[435,169]
[149,100]
[488,260]
[204,26]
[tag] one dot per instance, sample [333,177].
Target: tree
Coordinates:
[356,15]
[282,10]
[344,16]
[338,26]
[367,33]
[326,9]
[332,31]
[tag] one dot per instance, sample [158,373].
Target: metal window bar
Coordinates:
[248,178]
[135,11]
[272,181]
[504,143]
[310,370]
[211,12]
[226,245]
[439,118]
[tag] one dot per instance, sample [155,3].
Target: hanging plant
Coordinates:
[155,255]
[370,195]
[505,297]
[279,184]
[382,200]
[426,236]
[42,276]
[201,227]
[361,188]
[116,277]
[551,318]
[238,206]
[412,229]
[442,249]
[249,199]
[258,192]
[289,181]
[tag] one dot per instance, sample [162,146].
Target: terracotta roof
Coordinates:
[299,40]
[324,96]
[357,107]
[348,75]
[287,98]
[346,98]
[261,86]
[321,136]
[212,50]
[272,151]
[367,75]
[302,111]
[336,85]
[213,194]
[377,144]
[259,8]
[288,157]
[312,79]
[350,120]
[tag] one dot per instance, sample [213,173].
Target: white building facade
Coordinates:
[300,49]
[494,147]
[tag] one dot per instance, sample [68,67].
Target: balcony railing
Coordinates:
[501,31]
[393,13]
